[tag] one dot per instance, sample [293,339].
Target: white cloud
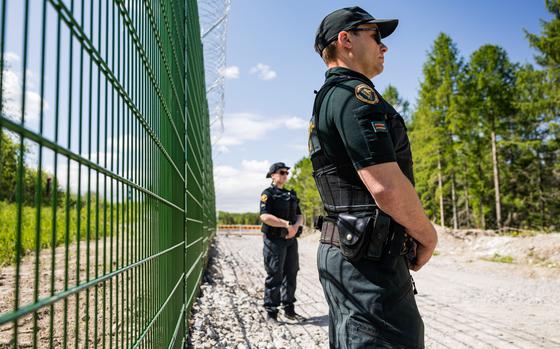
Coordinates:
[231,72]
[13,85]
[238,188]
[263,71]
[242,127]
[296,123]
[11,57]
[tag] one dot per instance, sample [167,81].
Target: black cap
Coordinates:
[275,167]
[346,18]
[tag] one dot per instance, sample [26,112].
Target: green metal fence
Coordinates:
[106,188]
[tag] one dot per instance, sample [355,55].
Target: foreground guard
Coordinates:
[282,223]
[375,229]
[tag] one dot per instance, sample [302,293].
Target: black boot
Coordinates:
[291,314]
[272,317]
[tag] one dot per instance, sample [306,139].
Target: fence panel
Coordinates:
[106,189]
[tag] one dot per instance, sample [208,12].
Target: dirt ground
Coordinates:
[99,320]
[465,301]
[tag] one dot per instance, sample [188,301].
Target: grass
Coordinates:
[498,258]
[62,225]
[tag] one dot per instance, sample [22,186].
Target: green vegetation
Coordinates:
[485,136]
[8,223]
[500,259]
[247,218]
[9,157]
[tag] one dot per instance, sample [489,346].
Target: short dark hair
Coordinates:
[329,53]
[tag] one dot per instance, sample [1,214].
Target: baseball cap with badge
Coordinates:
[345,19]
[275,167]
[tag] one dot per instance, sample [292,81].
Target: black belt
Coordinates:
[330,235]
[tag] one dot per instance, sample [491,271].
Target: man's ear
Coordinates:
[344,39]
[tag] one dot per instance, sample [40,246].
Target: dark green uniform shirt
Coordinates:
[355,123]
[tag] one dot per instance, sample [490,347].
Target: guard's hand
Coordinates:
[423,255]
[292,230]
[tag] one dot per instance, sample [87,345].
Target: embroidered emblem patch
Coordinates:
[264,197]
[366,94]
[379,126]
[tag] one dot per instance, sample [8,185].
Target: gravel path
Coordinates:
[465,303]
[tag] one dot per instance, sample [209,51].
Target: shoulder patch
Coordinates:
[366,94]
[264,197]
[379,126]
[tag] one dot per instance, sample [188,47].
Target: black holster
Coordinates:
[363,236]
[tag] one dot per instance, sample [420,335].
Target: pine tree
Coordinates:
[548,47]
[488,101]
[431,138]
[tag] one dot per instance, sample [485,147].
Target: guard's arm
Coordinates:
[267,217]
[299,217]
[395,195]
[362,128]
[274,221]
[299,220]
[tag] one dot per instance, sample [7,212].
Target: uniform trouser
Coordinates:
[371,304]
[281,262]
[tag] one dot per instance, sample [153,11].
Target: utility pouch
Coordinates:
[379,234]
[354,235]
[397,240]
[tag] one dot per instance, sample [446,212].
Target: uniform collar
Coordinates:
[275,187]
[348,72]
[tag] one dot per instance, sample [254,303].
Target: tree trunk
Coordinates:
[496,181]
[440,186]
[467,196]
[454,201]
[541,190]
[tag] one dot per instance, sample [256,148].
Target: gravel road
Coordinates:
[465,302]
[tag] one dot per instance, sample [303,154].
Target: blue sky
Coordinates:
[273,70]
[271,73]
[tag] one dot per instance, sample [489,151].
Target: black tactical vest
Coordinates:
[283,204]
[339,185]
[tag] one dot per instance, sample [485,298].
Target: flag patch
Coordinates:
[379,126]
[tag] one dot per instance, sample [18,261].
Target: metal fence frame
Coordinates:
[120,258]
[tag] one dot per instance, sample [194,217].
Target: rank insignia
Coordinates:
[264,197]
[379,126]
[366,94]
